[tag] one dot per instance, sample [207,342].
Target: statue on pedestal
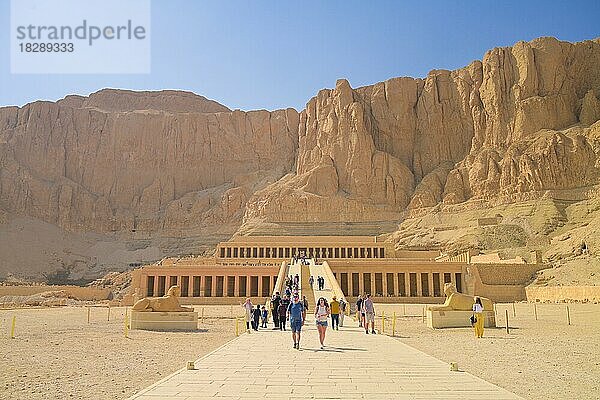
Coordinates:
[456,301]
[167,303]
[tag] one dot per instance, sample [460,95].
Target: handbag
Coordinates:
[473,319]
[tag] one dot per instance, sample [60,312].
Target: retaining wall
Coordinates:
[563,293]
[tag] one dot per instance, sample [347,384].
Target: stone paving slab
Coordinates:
[353,365]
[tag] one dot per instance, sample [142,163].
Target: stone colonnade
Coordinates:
[397,283]
[229,251]
[214,284]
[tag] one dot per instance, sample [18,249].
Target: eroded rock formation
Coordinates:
[520,122]
[494,127]
[83,167]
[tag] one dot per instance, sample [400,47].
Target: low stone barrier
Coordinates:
[456,319]
[164,321]
[559,294]
[76,292]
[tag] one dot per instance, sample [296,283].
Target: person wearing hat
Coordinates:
[248,307]
[342,311]
[297,315]
[335,314]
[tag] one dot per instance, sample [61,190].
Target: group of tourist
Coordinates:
[294,310]
[254,316]
[302,259]
[279,308]
[320,282]
[365,313]
[292,284]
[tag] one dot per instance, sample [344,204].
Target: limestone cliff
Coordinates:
[492,128]
[114,162]
[519,125]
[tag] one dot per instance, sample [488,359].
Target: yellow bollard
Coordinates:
[237,327]
[202,315]
[12,328]
[383,322]
[126,326]
[108,315]
[423,312]
[88,315]
[394,325]
[568,316]
[514,311]
[535,310]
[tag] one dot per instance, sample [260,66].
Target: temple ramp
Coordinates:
[353,365]
[306,289]
[331,287]
[283,273]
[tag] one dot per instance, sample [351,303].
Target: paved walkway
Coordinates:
[354,365]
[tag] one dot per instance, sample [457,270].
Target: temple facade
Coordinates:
[318,247]
[249,267]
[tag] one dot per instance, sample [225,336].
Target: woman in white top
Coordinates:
[478,313]
[322,311]
[247,306]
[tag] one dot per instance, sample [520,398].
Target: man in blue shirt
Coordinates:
[297,314]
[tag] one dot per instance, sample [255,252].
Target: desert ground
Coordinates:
[57,354]
[539,359]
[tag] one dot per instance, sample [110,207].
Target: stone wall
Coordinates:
[500,282]
[506,274]
[76,292]
[563,293]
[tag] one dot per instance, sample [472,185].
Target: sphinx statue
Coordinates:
[456,301]
[167,303]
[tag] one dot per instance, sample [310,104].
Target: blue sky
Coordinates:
[275,54]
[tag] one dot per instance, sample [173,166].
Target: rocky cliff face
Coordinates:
[126,100]
[114,162]
[514,125]
[495,127]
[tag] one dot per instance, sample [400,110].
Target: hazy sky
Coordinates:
[274,54]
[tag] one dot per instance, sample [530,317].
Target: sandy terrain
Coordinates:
[57,355]
[543,359]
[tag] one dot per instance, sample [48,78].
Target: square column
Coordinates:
[237,286]
[419,285]
[155,291]
[361,283]
[396,285]
[225,285]
[372,284]
[430,275]
[260,285]
[213,287]
[384,283]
